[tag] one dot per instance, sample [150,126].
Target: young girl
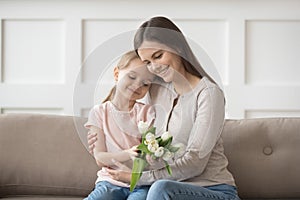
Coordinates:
[115,123]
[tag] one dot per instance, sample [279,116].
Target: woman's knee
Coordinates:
[161,185]
[160,189]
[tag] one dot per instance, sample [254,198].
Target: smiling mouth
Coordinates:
[164,71]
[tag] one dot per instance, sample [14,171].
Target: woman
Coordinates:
[194,106]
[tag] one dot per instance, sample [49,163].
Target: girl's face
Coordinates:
[134,80]
[161,60]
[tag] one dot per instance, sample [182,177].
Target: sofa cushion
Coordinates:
[264,156]
[44,155]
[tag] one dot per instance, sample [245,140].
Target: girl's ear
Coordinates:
[116,73]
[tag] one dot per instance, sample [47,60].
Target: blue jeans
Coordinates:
[107,191]
[166,189]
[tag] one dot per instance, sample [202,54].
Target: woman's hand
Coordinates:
[155,163]
[132,152]
[92,138]
[122,173]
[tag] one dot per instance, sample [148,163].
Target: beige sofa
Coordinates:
[44,157]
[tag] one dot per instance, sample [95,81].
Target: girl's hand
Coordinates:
[123,173]
[92,138]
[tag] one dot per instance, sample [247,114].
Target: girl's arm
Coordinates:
[104,158]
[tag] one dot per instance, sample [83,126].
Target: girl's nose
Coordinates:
[137,84]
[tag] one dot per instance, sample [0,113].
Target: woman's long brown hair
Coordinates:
[164,31]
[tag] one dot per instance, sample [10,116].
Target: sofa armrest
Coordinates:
[43,155]
[264,156]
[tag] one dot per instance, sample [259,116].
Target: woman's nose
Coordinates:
[154,67]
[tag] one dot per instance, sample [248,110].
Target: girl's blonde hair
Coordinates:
[122,64]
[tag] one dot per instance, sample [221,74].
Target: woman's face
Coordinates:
[161,60]
[134,80]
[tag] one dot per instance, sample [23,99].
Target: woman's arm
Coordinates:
[104,158]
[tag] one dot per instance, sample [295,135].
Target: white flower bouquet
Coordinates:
[155,147]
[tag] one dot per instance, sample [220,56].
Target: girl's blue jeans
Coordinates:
[107,191]
[166,189]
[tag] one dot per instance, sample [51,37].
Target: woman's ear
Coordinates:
[116,73]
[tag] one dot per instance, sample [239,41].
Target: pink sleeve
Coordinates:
[95,117]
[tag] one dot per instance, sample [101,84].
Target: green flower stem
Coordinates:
[168,168]
[139,165]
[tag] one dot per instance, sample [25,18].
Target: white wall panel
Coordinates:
[273,50]
[1,46]
[95,34]
[33,51]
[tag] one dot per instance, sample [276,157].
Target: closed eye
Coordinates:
[132,76]
[158,56]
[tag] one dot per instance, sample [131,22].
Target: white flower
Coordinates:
[149,138]
[166,135]
[153,146]
[159,152]
[142,126]
[167,155]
